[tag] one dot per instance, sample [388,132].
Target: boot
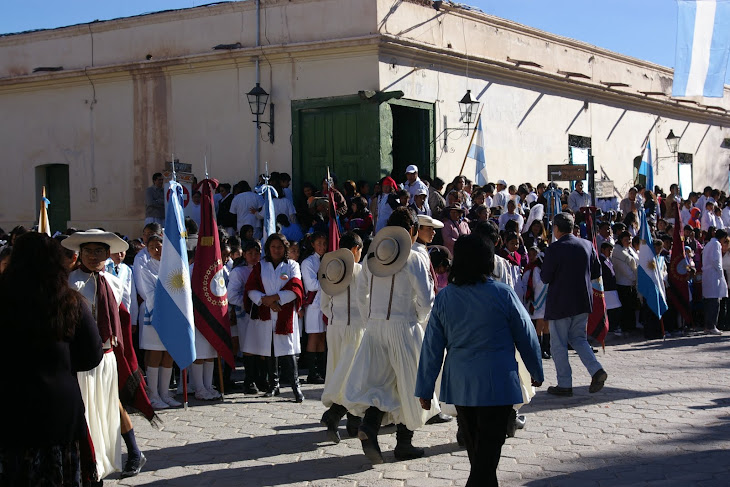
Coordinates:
[315,373]
[250,373]
[353,423]
[545,345]
[272,366]
[331,419]
[260,372]
[368,434]
[322,365]
[404,449]
[289,363]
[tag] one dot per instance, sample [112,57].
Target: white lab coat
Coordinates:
[313,322]
[714,285]
[261,334]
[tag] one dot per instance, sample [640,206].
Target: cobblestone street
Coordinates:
[663,419]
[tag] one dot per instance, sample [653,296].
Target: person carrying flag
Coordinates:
[210,300]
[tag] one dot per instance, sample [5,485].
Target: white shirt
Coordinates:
[412,293]
[337,307]
[505,217]
[86,284]
[241,207]
[129,294]
[501,198]
[413,188]
[714,285]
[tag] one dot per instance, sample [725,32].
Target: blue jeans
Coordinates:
[571,330]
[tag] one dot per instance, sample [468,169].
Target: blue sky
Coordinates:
[644,29]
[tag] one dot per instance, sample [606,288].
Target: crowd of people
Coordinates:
[371,321]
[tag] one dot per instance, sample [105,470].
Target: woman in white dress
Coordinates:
[157,358]
[313,317]
[273,295]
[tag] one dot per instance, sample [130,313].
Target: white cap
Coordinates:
[502,182]
[427,221]
[423,191]
[412,168]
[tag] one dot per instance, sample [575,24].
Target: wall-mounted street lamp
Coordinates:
[673,142]
[469,110]
[257,99]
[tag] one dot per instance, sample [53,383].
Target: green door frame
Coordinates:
[430,107]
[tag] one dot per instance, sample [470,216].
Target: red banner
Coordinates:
[334,228]
[678,290]
[210,299]
[597,320]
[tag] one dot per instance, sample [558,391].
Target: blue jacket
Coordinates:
[569,265]
[479,326]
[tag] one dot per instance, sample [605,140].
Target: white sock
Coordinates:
[165,376]
[152,380]
[196,377]
[208,367]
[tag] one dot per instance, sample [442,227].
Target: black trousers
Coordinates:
[628,297]
[484,428]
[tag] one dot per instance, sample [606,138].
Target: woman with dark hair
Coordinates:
[360,220]
[45,441]
[272,297]
[480,375]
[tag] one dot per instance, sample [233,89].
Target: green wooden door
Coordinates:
[55,178]
[342,134]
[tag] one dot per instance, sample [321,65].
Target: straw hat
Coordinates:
[76,240]
[389,251]
[335,271]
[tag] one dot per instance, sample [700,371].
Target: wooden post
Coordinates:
[220,376]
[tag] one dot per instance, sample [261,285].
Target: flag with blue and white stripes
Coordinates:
[703,45]
[647,168]
[650,279]
[173,312]
[476,152]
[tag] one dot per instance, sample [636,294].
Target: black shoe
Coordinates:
[332,431]
[133,466]
[369,441]
[560,391]
[439,418]
[273,392]
[546,355]
[315,379]
[353,424]
[298,395]
[597,381]
[250,389]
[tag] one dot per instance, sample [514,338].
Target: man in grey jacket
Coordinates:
[154,201]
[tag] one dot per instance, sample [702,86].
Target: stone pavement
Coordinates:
[663,419]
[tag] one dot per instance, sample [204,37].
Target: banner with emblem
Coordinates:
[210,298]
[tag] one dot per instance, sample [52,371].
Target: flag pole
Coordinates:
[471,141]
[185,388]
[220,377]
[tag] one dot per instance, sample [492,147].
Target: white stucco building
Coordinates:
[364,87]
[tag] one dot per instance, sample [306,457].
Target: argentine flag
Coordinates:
[650,282]
[173,313]
[268,192]
[476,152]
[703,44]
[647,168]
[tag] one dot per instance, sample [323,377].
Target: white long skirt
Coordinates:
[100,392]
[384,374]
[343,342]
[149,339]
[203,348]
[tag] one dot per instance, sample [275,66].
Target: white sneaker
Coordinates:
[155,401]
[713,331]
[171,401]
[204,395]
[214,393]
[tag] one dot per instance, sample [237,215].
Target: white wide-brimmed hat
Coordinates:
[335,271]
[76,240]
[427,221]
[389,251]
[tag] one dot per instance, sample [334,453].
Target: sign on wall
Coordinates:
[604,189]
[566,172]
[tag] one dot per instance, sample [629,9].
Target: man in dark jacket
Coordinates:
[569,266]
[226,219]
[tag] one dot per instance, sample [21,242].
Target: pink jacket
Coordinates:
[453,230]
